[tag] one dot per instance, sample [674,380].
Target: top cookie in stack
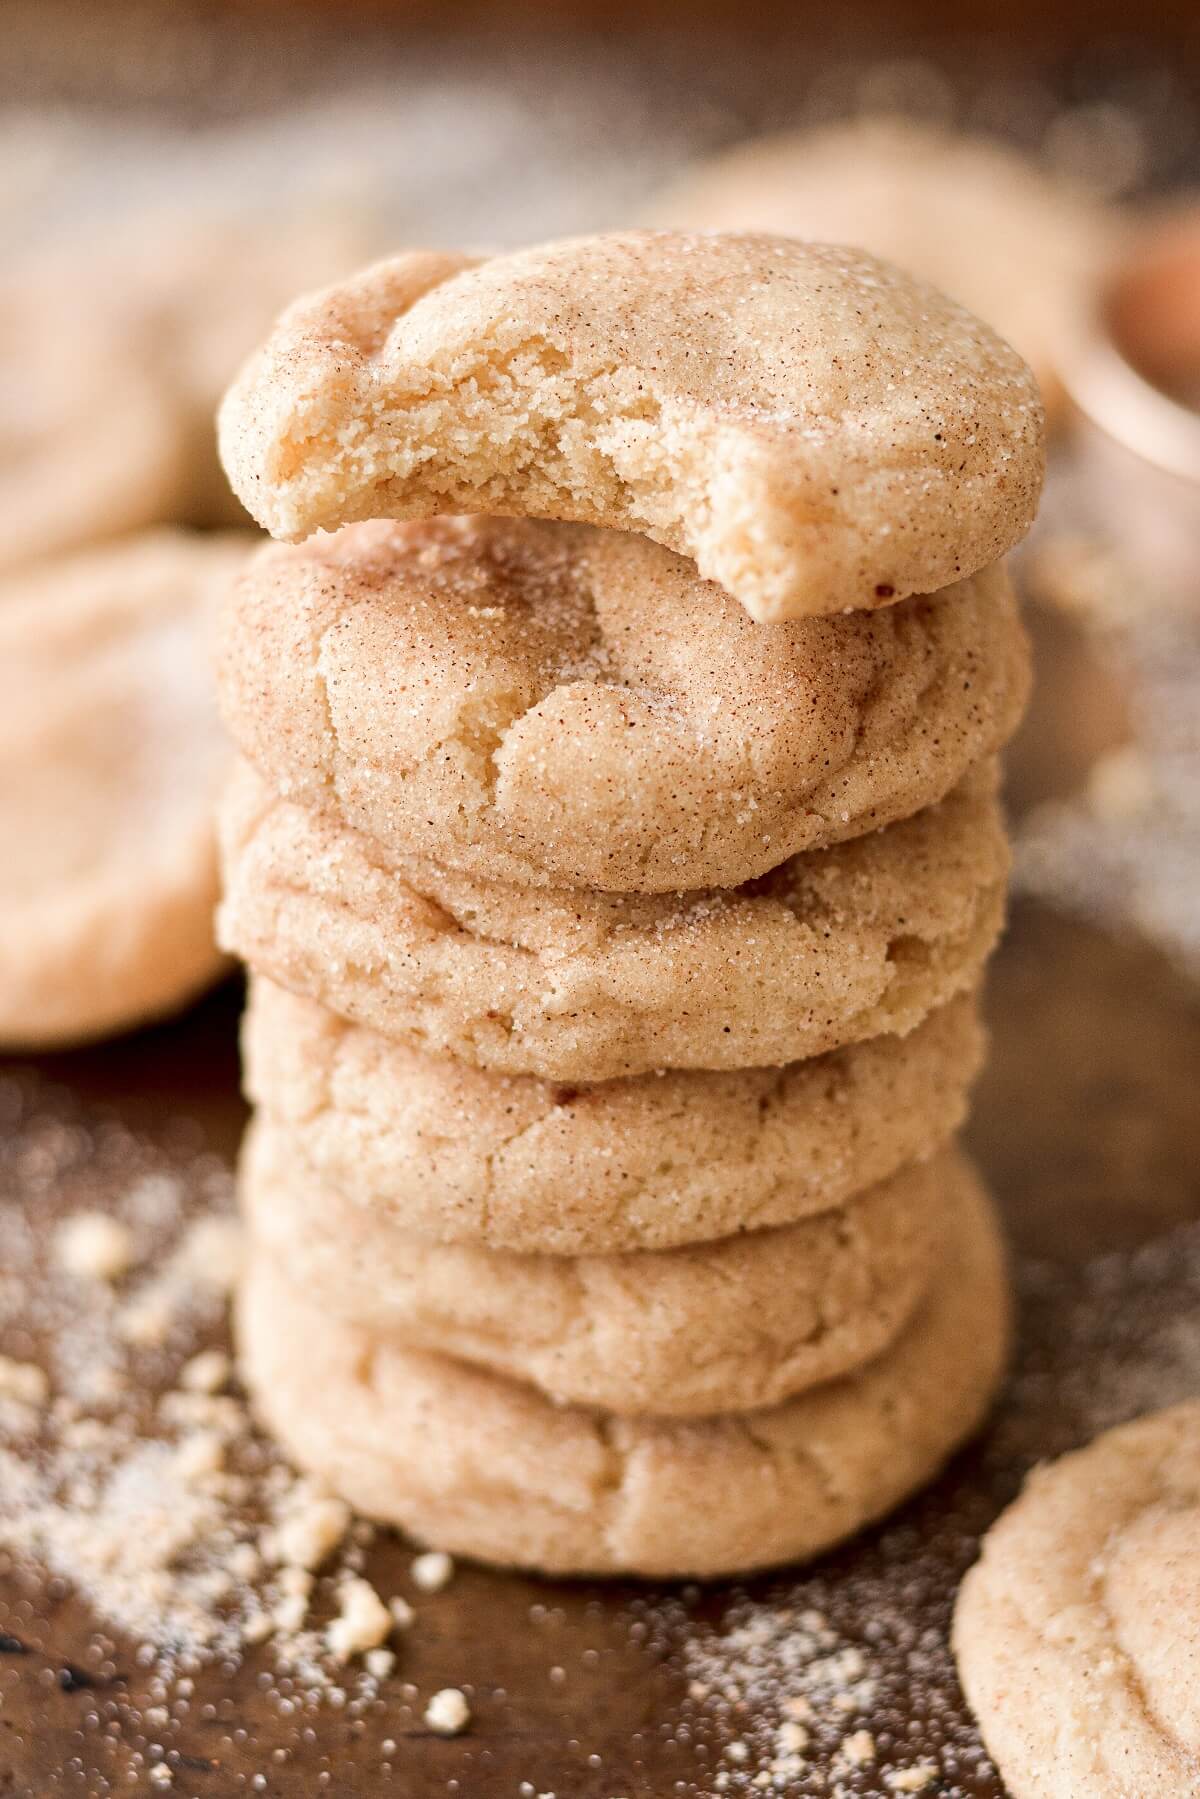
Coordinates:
[814,429]
[587,783]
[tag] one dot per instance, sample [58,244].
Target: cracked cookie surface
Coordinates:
[729,1325]
[814,429]
[1077,1633]
[485,1466]
[551,704]
[860,940]
[460,1154]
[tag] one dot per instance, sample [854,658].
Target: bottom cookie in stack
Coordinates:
[487,1465]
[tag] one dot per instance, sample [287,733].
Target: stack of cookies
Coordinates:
[617,854]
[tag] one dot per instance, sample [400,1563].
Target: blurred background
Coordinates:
[513,121]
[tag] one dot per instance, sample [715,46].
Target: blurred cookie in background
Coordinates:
[90,444]
[114,351]
[203,290]
[1015,244]
[111,757]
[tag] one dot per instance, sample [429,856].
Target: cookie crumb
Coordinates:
[432,1571]
[200,1456]
[145,1323]
[858,1748]
[92,1246]
[314,1525]
[363,1623]
[161,1775]
[291,1609]
[911,1780]
[245,1563]
[207,1372]
[24,1382]
[257,1628]
[379,1663]
[402,1612]
[448,1712]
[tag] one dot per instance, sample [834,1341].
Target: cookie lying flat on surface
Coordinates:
[972,215]
[90,444]
[113,758]
[865,938]
[544,703]
[460,1154]
[1078,1631]
[731,1325]
[486,1467]
[814,429]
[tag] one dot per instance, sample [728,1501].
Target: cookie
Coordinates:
[551,704]
[731,1325]
[487,1467]
[973,216]
[114,757]
[1078,1631]
[463,1155]
[814,429]
[90,445]
[842,944]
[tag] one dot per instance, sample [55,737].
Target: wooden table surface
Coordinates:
[1086,1125]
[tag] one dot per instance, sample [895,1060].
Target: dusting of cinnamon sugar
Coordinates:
[131,1470]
